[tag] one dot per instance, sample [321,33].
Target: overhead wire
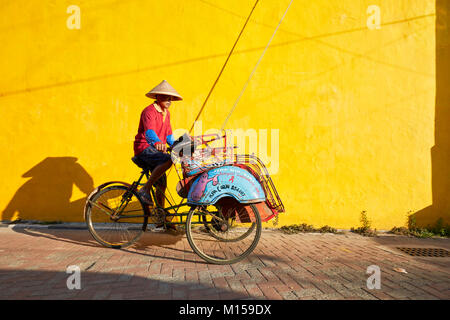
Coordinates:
[223,67]
[251,74]
[254,69]
[220,73]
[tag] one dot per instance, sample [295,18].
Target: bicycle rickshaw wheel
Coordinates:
[219,249]
[226,237]
[131,222]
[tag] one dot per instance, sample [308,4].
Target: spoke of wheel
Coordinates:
[100,207]
[115,232]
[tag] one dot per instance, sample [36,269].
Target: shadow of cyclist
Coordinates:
[47,195]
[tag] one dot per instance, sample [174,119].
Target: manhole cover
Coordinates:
[426,252]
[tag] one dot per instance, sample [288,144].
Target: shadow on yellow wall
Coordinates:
[48,192]
[440,152]
[47,195]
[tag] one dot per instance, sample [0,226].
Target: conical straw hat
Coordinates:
[164,88]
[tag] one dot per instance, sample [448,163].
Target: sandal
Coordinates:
[145,197]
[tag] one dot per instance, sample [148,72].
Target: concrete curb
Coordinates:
[66,226]
[36,224]
[82,226]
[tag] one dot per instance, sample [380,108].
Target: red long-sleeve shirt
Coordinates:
[154,127]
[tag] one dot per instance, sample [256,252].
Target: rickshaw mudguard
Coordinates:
[226,181]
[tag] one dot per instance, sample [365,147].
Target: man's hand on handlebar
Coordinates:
[161,147]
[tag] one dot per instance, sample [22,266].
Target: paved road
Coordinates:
[33,264]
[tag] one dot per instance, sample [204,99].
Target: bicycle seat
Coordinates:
[140,163]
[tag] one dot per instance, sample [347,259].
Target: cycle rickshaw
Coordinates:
[224,198]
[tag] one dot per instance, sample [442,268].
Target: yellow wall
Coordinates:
[355,107]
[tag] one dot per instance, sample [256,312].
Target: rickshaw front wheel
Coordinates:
[229,246]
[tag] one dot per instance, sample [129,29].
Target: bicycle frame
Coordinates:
[231,222]
[176,207]
[250,183]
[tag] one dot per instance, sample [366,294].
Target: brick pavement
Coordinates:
[33,265]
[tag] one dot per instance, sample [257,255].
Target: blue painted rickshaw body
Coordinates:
[226,181]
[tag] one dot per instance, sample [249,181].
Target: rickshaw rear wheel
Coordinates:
[218,228]
[205,239]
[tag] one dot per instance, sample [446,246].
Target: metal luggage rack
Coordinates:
[259,170]
[204,159]
[207,157]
